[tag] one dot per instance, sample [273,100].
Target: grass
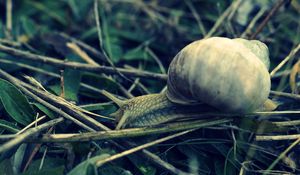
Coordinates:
[72,50]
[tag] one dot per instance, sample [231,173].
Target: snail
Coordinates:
[228,75]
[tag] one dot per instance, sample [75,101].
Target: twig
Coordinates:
[65,105]
[33,68]
[124,90]
[153,15]
[280,74]
[80,66]
[85,46]
[89,60]
[38,99]
[287,123]
[9,42]
[51,107]
[43,159]
[273,113]
[228,25]
[138,148]
[100,91]
[82,54]
[277,137]
[234,9]
[196,16]
[281,156]
[286,95]
[221,19]
[137,82]
[158,161]
[268,17]
[8,19]
[252,23]
[29,133]
[154,158]
[34,82]
[285,60]
[124,133]
[161,66]
[92,105]
[89,87]
[62,84]
[134,84]
[35,151]
[99,31]
[43,72]
[31,124]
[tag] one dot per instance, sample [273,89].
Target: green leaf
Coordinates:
[28,26]
[85,166]
[99,82]
[111,44]
[135,53]
[9,126]
[72,80]
[19,157]
[79,7]
[51,9]
[90,33]
[53,171]
[6,167]
[45,110]
[219,167]
[143,166]
[1,30]
[53,166]
[15,103]
[56,89]
[115,51]
[138,36]
[113,170]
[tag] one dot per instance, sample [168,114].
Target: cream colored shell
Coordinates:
[221,72]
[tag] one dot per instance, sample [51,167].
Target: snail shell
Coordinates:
[228,74]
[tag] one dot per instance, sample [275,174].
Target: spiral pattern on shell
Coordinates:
[228,74]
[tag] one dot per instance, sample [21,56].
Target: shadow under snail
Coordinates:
[228,75]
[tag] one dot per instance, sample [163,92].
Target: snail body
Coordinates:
[152,109]
[230,75]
